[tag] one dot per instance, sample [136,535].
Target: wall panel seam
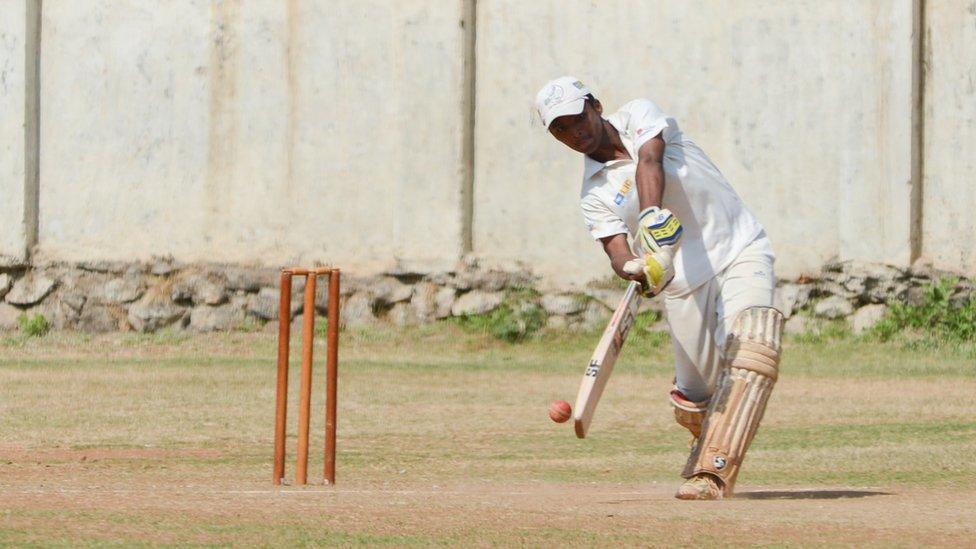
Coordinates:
[468,23]
[918,128]
[32,127]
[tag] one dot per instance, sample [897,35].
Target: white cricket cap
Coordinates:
[563,96]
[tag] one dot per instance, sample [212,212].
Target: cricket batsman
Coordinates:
[666,217]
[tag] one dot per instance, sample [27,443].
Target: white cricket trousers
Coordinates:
[701,320]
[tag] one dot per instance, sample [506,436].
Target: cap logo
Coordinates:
[578,84]
[555,95]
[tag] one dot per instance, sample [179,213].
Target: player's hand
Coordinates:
[653,271]
[660,234]
[635,269]
[640,270]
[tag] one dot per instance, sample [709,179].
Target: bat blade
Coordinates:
[601,363]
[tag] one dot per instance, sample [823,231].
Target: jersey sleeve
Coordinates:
[647,120]
[600,220]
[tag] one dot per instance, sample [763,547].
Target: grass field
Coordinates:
[444,440]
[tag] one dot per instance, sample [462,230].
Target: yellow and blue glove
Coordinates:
[659,232]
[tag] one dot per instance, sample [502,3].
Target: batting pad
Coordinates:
[743,388]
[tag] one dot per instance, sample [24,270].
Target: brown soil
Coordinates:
[54,455]
[93,501]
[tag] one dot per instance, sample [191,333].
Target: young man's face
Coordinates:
[581,132]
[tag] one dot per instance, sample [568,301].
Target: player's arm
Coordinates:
[618,251]
[650,173]
[659,230]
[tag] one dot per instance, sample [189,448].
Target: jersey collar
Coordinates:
[592,167]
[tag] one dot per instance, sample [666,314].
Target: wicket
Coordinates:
[305,389]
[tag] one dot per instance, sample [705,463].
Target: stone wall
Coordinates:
[111,296]
[860,293]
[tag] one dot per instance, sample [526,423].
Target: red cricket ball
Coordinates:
[560,411]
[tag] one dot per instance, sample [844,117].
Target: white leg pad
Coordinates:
[750,370]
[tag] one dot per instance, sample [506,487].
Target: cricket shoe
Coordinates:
[701,486]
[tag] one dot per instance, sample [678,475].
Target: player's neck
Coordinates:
[611,146]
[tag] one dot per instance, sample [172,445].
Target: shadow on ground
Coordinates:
[809,494]
[781,494]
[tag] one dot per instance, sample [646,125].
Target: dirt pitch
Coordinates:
[136,440]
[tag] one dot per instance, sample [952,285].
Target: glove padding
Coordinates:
[660,234]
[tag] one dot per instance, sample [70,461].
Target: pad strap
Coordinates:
[688,414]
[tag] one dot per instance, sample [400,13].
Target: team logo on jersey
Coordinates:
[622,193]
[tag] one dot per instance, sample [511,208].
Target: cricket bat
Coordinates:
[601,363]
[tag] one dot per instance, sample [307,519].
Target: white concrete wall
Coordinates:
[949,198]
[273,132]
[252,131]
[805,106]
[12,118]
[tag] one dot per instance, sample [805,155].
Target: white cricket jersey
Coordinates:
[717,225]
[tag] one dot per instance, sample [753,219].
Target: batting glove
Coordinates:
[660,234]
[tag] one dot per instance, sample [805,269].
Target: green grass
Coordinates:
[437,405]
[33,325]
[937,318]
[823,332]
[518,317]
[460,388]
[940,323]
